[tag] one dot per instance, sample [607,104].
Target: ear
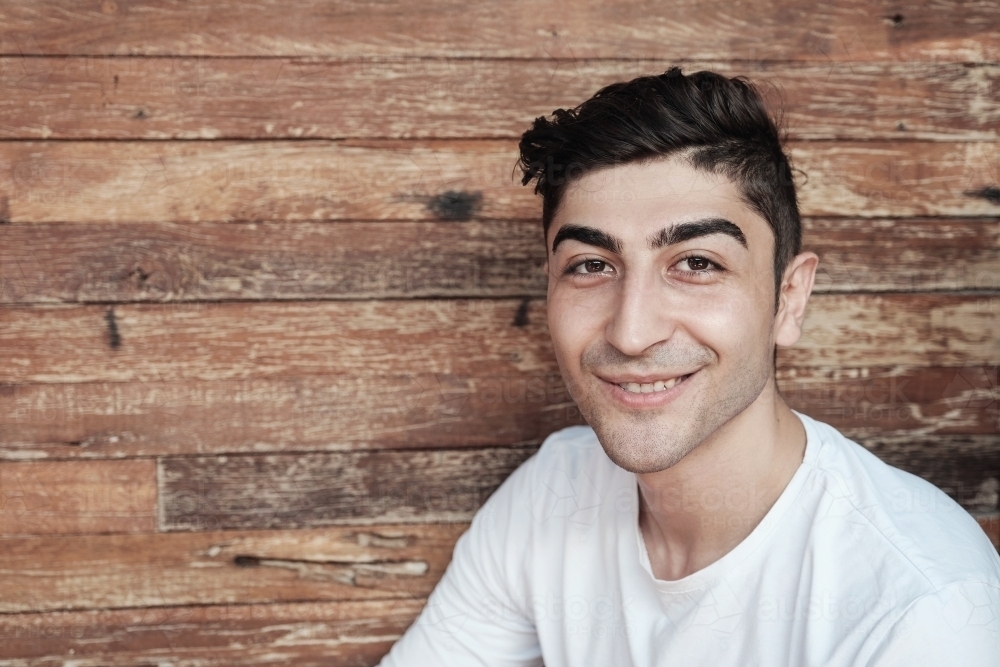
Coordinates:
[796,286]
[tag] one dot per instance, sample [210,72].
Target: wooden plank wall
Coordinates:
[272,309]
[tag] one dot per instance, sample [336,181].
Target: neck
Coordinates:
[699,509]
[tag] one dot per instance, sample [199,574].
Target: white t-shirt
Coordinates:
[856,563]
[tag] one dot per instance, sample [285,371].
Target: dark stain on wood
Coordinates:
[114,337]
[4,210]
[521,317]
[896,20]
[140,273]
[990,193]
[350,573]
[456,205]
[141,114]
[246,561]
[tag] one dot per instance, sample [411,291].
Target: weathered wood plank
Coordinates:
[843,30]
[967,468]
[115,262]
[428,180]
[900,255]
[319,413]
[917,330]
[254,98]
[77,497]
[365,412]
[45,573]
[210,261]
[303,634]
[325,489]
[233,340]
[908,402]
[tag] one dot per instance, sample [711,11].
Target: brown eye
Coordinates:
[591,266]
[698,264]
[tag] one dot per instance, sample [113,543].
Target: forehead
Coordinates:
[638,199]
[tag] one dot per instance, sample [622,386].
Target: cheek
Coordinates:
[732,324]
[575,318]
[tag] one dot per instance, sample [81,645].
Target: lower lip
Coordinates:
[653,399]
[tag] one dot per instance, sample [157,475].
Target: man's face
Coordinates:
[660,306]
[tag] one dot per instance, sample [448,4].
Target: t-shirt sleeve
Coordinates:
[959,626]
[477,614]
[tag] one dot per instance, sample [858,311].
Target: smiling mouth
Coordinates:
[652,387]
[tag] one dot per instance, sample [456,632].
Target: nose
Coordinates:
[641,318]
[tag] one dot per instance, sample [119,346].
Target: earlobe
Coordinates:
[795,290]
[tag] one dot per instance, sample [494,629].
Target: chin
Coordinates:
[641,445]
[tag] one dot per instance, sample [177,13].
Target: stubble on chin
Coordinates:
[649,441]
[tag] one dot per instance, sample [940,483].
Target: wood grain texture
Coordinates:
[176,262]
[325,489]
[304,634]
[429,180]
[903,402]
[46,573]
[843,30]
[213,261]
[77,497]
[967,468]
[318,413]
[426,411]
[275,98]
[216,341]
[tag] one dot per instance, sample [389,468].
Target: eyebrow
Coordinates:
[685,231]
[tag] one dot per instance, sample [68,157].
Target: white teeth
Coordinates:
[650,387]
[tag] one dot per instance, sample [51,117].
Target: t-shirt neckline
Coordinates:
[751,542]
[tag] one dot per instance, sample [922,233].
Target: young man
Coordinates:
[698,520]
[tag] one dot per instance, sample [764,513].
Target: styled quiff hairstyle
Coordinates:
[721,125]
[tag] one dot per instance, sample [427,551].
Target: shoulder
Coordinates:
[570,471]
[906,520]
[958,624]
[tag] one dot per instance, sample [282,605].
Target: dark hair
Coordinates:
[723,125]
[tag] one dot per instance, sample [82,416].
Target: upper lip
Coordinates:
[648,378]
